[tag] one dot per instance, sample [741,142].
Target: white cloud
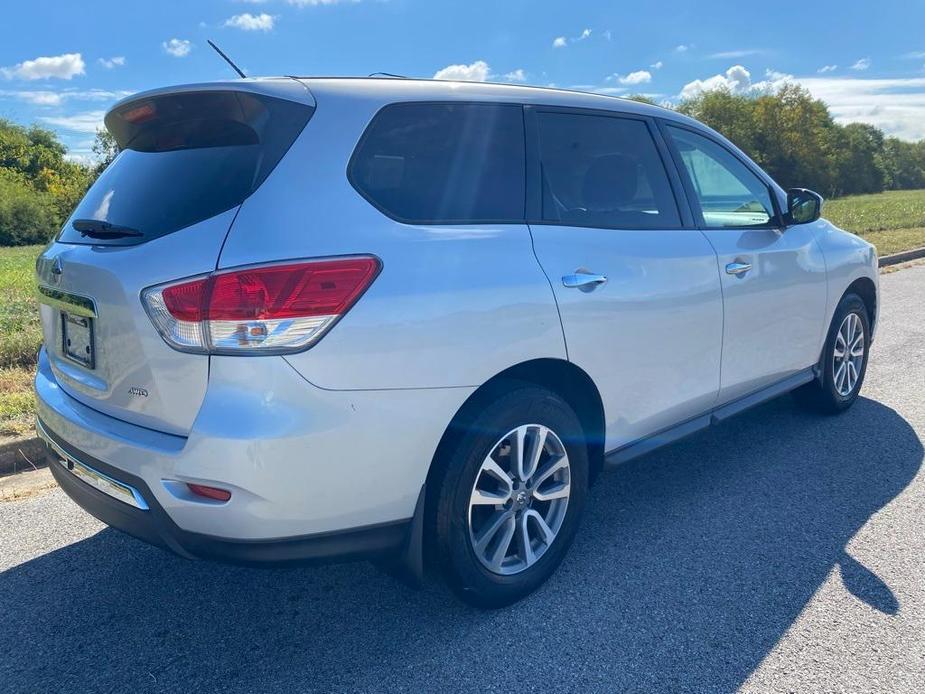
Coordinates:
[913,55]
[178,48]
[657,65]
[110,63]
[732,55]
[562,41]
[36,98]
[251,22]
[896,105]
[56,98]
[861,64]
[86,122]
[736,79]
[475,72]
[607,34]
[638,77]
[683,48]
[827,68]
[63,67]
[517,75]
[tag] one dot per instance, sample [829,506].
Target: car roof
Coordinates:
[412,89]
[392,89]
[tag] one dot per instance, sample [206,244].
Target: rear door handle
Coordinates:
[583,280]
[738,268]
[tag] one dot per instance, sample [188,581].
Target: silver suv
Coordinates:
[309,319]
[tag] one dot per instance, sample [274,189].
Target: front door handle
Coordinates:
[585,281]
[738,268]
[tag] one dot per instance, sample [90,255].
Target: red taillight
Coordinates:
[277,307]
[322,288]
[185,301]
[213,493]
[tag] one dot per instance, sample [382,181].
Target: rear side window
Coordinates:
[603,171]
[443,163]
[186,157]
[728,193]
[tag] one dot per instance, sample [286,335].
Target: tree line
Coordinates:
[787,132]
[794,138]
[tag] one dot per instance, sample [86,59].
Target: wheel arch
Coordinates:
[562,377]
[865,288]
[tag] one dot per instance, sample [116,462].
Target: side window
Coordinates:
[444,163]
[603,171]
[730,195]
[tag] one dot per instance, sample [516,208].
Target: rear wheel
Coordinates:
[844,360]
[509,496]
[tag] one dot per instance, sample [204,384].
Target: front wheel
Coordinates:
[510,496]
[844,360]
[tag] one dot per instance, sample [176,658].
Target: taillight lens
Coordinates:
[270,309]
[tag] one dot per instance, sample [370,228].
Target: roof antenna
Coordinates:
[227,59]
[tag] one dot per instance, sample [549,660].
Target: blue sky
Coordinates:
[62,64]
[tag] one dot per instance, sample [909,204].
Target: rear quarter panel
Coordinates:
[453,305]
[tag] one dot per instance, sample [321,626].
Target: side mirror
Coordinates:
[803,206]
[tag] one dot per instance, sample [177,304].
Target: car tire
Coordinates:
[841,373]
[470,497]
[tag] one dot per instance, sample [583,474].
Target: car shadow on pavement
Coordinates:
[691,564]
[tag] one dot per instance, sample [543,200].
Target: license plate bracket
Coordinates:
[77,339]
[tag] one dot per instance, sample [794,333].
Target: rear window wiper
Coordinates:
[98,229]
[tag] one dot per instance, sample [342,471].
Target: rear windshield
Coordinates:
[185,157]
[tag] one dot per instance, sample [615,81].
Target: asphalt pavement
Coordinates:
[779,551]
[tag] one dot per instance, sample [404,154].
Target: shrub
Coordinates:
[27,216]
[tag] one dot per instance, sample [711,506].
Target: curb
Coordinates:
[16,456]
[902,257]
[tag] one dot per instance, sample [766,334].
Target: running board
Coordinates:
[701,422]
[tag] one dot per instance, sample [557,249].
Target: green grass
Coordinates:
[20,336]
[17,402]
[862,214]
[895,240]
[20,330]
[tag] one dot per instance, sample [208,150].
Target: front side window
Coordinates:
[729,194]
[444,163]
[603,171]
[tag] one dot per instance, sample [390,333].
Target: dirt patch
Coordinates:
[26,484]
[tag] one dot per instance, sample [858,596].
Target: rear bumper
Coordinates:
[153,525]
[315,475]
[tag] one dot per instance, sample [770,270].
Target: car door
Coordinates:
[774,281]
[637,288]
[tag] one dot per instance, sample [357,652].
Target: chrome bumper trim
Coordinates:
[96,479]
[66,301]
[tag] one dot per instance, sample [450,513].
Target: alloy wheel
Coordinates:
[848,354]
[519,499]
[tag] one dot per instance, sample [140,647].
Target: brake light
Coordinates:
[273,308]
[140,114]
